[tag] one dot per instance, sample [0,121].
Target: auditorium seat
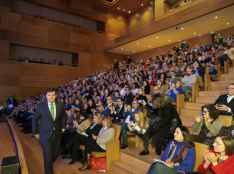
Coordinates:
[200,149]
[113,149]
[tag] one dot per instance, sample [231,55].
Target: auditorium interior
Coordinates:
[139,86]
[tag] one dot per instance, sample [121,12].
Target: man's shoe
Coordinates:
[144,153]
[71,162]
[124,146]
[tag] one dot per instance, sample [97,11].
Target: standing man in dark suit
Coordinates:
[225,103]
[49,118]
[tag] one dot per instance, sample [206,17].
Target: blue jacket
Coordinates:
[188,161]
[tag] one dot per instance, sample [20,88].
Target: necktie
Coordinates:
[52,110]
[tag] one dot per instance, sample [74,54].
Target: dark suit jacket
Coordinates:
[93,130]
[44,123]
[223,100]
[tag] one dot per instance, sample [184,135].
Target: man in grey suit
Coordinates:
[50,120]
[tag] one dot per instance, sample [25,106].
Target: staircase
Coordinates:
[192,109]
[131,165]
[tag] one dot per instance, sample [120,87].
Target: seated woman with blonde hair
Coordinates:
[98,143]
[219,160]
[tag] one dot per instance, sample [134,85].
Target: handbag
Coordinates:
[98,164]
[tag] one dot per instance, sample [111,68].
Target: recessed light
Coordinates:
[129,11]
[142,4]
[227,23]
[216,17]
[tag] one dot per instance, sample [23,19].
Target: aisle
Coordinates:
[7,147]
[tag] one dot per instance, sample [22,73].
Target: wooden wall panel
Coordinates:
[4,50]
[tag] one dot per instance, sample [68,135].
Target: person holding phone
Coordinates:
[206,126]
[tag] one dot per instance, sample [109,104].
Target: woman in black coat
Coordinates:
[163,121]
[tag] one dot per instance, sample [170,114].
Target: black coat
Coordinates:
[93,130]
[223,100]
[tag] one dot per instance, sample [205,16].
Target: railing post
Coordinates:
[207,80]
[218,72]
[195,91]
[226,66]
[179,102]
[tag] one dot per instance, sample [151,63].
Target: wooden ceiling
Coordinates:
[123,7]
[97,9]
[209,23]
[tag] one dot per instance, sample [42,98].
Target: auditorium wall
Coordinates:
[22,79]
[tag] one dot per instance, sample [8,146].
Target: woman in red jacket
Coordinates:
[220,160]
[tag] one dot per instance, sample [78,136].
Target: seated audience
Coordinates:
[207,126]
[175,88]
[220,159]
[98,142]
[178,156]
[188,80]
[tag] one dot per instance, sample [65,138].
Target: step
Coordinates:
[227,77]
[206,100]
[187,121]
[211,93]
[189,113]
[132,164]
[117,168]
[193,106]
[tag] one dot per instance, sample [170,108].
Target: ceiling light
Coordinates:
[142,4]
[129,11]
[216,17]
[227,23]
[124,9]
[182,28]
